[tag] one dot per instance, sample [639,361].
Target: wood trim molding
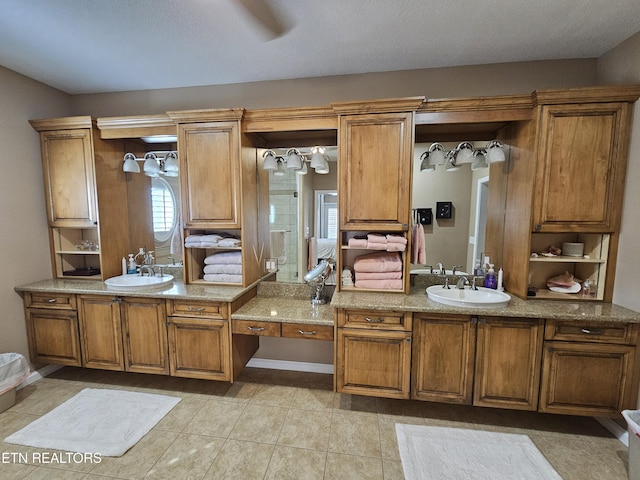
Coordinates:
[391,105]
[65,123]
[621,93]
[297,118]
[136,126]
[207,115]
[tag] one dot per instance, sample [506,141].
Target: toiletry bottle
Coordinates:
[490,280]
[133,268]
[499,284]
[478,270]
[124,266]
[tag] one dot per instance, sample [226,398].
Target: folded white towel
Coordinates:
[229,242]
[224,257]
[222,278]
[231,269]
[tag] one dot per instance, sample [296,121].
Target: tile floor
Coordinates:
[288,425]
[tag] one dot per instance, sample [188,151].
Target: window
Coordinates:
[163,205]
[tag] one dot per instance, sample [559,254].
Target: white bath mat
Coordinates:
[108,422]
[453,453]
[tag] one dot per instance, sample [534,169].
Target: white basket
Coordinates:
[633,426]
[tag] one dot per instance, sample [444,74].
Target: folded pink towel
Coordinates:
[358,242]
[377,246]
[396,239]
[378,262]
[376,238]
[224,258]
[380,284]
[378,275]
[396,247]
[231,269]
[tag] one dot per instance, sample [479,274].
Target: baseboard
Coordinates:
[616,430]
[38,374]
[290,365]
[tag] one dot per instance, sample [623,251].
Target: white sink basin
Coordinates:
[481,298]
[138,282]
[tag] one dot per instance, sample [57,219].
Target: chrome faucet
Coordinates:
[149,269]
[456,268]
[441,267]
[473,283]
[462,282]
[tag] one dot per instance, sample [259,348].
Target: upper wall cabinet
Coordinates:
[69,178]
[375,154]
[210,170]
[582,162]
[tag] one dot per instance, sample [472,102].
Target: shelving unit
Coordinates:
[194,257]
[592,266]
[69,255]
[348,255]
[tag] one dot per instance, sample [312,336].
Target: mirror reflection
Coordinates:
[456,234]
[302,212]
[153,191]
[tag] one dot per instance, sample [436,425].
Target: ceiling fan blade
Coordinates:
[265,17]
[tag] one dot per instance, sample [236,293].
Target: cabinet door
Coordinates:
[145,335]
[53,336]
[69,179]
[444,349]
[209,174]
[508,357]
[373,362]
[582,167]
[199,348]
[588,378]
[101,332]
[376,154]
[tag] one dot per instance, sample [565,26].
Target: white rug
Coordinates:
[108,422]
[453,453]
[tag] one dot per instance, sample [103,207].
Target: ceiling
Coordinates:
[91,46]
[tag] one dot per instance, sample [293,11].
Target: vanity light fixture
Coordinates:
[303,170]
[270,160]
[495,152]
[464,153]
[151,166]
[171,164]
[432,157]
[130,164]
[451,164]
[479,159]
[294,159]
[319,161]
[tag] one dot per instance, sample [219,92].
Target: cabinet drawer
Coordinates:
[253,327]
[65,301]
[597,332]
[185,308]
[374,319]
[305,330]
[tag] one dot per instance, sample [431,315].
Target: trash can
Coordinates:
[633,426]
[14,369]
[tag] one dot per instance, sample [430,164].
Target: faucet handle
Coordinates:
[455,268]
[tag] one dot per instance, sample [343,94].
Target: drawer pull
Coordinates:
[302,332]
[255,329]
[52,300]
[374,320]
[596,331]
[196,309]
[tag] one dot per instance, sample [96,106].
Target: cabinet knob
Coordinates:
[408,339]
[538,227]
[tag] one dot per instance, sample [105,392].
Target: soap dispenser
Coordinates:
[133,268]
[490,280]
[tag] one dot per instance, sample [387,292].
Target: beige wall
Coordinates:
[25,242]
[622,66]
[24,245]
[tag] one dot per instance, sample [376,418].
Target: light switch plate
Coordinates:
[444,209]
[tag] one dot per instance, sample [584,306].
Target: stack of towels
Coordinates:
[380,270]
[376,241]
[223,267]
[211,241]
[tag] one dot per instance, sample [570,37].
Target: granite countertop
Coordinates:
[417,301]
[178,290]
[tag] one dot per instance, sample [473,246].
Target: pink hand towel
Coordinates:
[380,284]
[378,262]
[376,238]
[378,275]
[377,246]
[358,242]
[396,247]
[396,239]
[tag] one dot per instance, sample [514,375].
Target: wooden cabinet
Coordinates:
[373,353]
[145,335]
[589,368]
[52,328]
[582,165]
[444,348]
[490,362]
[508,356]
[83,174]
[100,332]
[219,192]
[199,340]
[566,174]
